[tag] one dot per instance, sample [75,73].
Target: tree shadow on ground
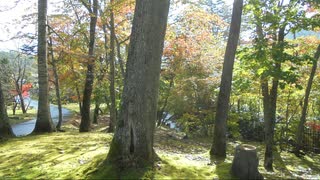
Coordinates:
[223,170]
[107,169]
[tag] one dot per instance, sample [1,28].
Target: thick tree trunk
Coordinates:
[113,110]
[245,163]
[5,128]
[86,101]
[132,144]
[218,147]
[44,122]
[300,130]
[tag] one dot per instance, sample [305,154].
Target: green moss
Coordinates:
[19,117]
[74,155]
[52,156]
[223,170]
[178,166]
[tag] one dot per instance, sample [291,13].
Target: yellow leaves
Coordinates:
[306,45]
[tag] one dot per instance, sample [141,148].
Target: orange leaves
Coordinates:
[305,44]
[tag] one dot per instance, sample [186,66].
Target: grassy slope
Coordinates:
[73,155]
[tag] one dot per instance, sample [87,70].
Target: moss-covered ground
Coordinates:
[73,155]
[19,117]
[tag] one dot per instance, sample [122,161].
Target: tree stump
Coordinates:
[245,163]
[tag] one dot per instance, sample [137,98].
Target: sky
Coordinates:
[9,14]
[11,17]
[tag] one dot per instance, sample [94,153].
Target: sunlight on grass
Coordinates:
[19,117]
[179,166]
[73,155]
[74,107]
[51,156]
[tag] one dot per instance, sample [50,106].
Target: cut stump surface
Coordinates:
[245,163]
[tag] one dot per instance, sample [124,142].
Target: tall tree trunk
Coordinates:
[132,144]
[270,117]
[218,147]
[44,122]
[121,63]
[113,110]
[300,130]
[269,106]
[56,83]
[23,107]
[86,102]
[5,128]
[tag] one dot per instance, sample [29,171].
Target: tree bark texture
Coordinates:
[132,144]
[44,122]
[219,139]
[300,130]
[113,110]
[86,101]
[245,163]
[5,128]
[270,104]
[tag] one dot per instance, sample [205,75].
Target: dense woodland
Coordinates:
[195,70]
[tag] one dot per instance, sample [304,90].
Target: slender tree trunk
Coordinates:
[96,113]
[86,102]
[300,130]
[78,93]
[5,128]
[239,105]
[19,90]
[15,104]
[113,110]
[121,63]
[218,147]
[132,144]
[269,106]
[56,83]
[44,122]
[160,115]
[23,107]
[270,118]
